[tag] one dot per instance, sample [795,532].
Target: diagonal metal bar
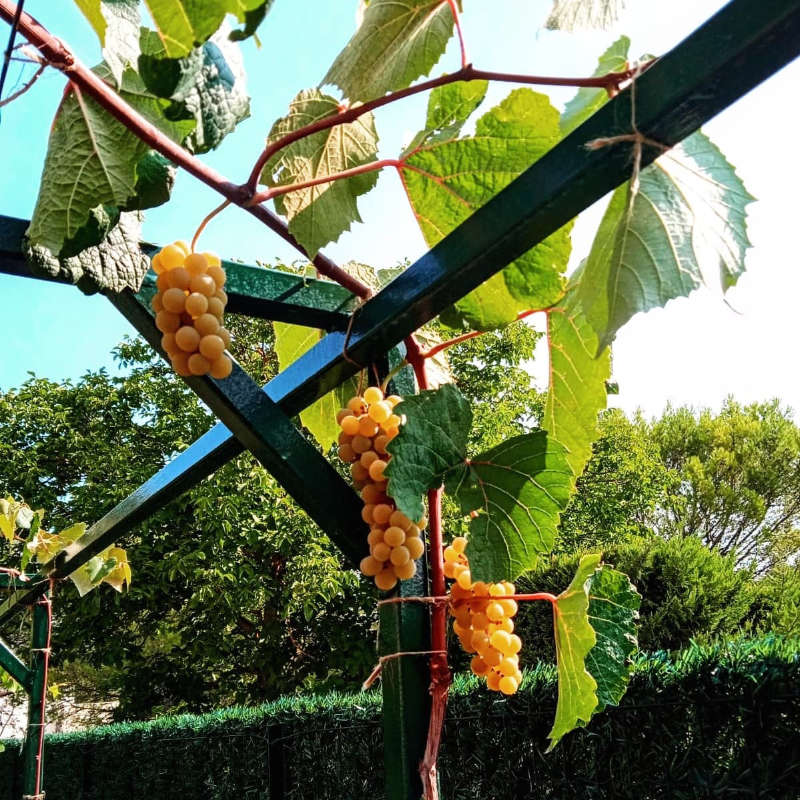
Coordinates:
[14,666]
[743,44]
[254,291]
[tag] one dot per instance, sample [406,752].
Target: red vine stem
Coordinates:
[61,57]
[457,21]
[609,82]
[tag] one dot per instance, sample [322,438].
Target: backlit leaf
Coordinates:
[572,15]
[320,214]
[686,221]
[396,42]
[447,180]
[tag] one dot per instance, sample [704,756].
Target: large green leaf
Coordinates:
[448,179]
[613,611]
[687,219]
[320,214]
[396,43]
[116,23]
[208,85]
[519,488]
[572,15]
[577,387]
[92,160]
[589,99]
[182,24]
[291,341]
[575,638]
[116,263]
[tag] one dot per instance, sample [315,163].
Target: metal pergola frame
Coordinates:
[743,44]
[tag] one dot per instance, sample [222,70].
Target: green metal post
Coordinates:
[31,758]
[405,680]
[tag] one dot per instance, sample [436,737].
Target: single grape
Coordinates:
[381,513]
[375,536]
[509,607]
[366,513]
[174,300]
[162,282]
[515,644]
[196,304]
[370,494]
[381,551]
[394,399]
[508,666]
[357,405]
[501,641]
[225,335]
[370,567]
[167,322]
[400,520]
[399,555]
[361,443]
[493,680]
[373,394]
[415,546]
[394,536]
[392,421]
[215,307]
[213,259]
[156,303]
[172,257]
[494,611]
[349,424]
[478,666]
[206,324]
[212,347]
[376,469]
[222,295]
[180,363]
[413,532]
[183,245]
[221,368]
[218,274]
[380,412]
[508,684]
[347,454]
[386,579]
[380,443]
[358,472]
[203,285]
[459,544]
[187,338]
[405,571]
[156,264]
[178,278]
[366,427]
[367,458]
[199,365]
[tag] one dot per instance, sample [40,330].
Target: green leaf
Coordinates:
[208,85]
[155,177]
[449,108]
[320,214]
[588,99]
[182,24]
[573,15]
[116,23]
[519,487]
[575,638]
[687,219]
[291,341]
[92,161]
[577,385]
[396,43]
[116,263]
[613,611]
[447,180]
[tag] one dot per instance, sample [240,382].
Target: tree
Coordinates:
[736,480]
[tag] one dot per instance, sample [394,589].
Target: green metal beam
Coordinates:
[253,291]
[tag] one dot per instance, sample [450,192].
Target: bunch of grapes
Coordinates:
[368,425]
[189,306]
[483,621]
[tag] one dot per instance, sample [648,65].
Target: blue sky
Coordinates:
[695,351]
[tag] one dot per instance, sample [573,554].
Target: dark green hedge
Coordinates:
[719,722]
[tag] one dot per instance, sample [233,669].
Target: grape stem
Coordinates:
[611,82]
[58,55]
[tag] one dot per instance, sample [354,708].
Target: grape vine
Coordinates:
[675,224]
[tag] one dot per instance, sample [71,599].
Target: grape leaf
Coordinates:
[572,15]
[320,214]
[47,546]
[155,177]
[687,219]
[577,386]
[92,160]
[252,19]
[182,24]
[116,23]
[396,42]
[613,611]
[519,487]
[590,99]
[575,638]
[448,179]
[291,341]
[207,85]
[116,263]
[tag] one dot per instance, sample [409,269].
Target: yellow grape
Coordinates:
[406,571]
[196,304]
[199,365]
[221,368]
[381,513]
[358,472]
[203,285]
[515,644]
[162,282]
[182,245]
[212,347]
[373,394]
[366,427]
[180,363]
[366,513]
[464,579]
[156,303]
[380,412]
[196,264]
[394,536]
[357,405]
[206,324]
[361,443]
[415,546]
[376,469]
[215,307]
[225,335]
[381,442]
[167,322]
[347,454]
[493,680]
[178,278]
[349,425]
[508,684]
[171,257]
[381,551]
[478,666]
[386,579]
[370,566]
[187,338]
[213,259]
[400,520]
[218,274]
[222,295]
[341,414]
[375,536]
[156,264]
[508,666]
[367,458]
[168,343]
[459,544]
[399,555]
[174,300]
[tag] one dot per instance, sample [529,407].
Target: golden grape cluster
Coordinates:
[368,425]
[483,622]
[189,306]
